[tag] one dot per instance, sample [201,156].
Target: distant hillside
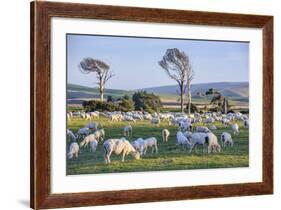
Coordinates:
[234,90]
[230,89]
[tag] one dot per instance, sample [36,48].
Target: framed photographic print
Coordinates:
[134,105]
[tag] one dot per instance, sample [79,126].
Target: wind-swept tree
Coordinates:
[177,66]
[100,68]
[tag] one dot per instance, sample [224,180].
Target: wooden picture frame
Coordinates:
[41,14]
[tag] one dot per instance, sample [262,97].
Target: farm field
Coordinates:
[169,157]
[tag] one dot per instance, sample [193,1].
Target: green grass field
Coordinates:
[169,157]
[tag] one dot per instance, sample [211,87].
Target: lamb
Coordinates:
[155,121]
[235,128]
[93,145]
[182,140]
[119,146]
[208,140]
[128,131]
[70,136]
[165,135]
[73,150]
[202,129]
[226,139]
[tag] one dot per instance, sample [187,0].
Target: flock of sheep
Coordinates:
[188,135]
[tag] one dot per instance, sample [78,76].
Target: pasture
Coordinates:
[169,157]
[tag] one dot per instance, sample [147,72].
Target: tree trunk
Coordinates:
[182,96]
[189,97]
[101,88]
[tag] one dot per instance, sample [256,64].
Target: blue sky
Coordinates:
[134,61]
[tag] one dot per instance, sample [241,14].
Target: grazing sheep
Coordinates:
[208,140]
[209,120]
[87,140]
[246,123]
[70,136]
[139,145]
[73,150]
[182,140]
[155,121]
[82,132]
[99,134]
[165,135]
[187,134]
[235,128]
[92,125]
[202,129]
[119,146]
[226,139]
[213,127]
[93,145]
[185,126]
[128,131]
[94,114]
[150,142]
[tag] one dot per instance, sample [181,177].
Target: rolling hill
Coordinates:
[234,90]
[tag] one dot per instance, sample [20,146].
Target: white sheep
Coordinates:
[93,145]
[70,136]
[87,140]
[246,123]
[139,145]
[73,150]
[82,132]
[235,128]
[119,146]
[128,131]
[182,140]
[213,127]
[187,134]
[165,135]
[155,121]
[150,142]
[99,134]
[185,126]
[92,125]
[208,140]
[226,139]
[202,129]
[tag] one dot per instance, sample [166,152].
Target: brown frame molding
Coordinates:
[41,14]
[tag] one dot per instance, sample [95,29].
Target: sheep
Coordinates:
[119,146]
[213,127]
[94,114]
[208,140]
[235,128]
[128,131]
[99,134]
[182,140]
[155,121]
[82,132]
[87,140]
[187,134]
[70,136]
[92,125]
[226,139]
[165,135]
[150,142]
[185,126]
[246,123]
[139,145]
[68,116]
[202,129]
[73,150]
[209,120]
[93,145]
